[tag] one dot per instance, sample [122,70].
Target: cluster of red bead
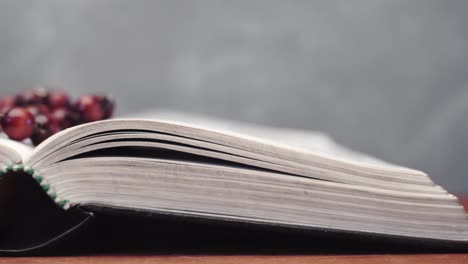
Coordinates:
[39,113]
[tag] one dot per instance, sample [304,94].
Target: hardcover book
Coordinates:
[138,176]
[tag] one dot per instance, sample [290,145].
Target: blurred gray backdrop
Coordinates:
[389,78]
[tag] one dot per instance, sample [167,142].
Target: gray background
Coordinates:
[389,78]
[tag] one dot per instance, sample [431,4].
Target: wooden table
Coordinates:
[358,259]
[252,259]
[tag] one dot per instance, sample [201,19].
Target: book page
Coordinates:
[320,159]
[310,141]
[13,150]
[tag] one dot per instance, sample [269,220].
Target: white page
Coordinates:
[309,141]
[16,151]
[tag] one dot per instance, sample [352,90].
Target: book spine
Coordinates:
[63,203]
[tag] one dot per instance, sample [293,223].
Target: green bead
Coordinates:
[39,179]
[53,196]
[45,187]
[62,203]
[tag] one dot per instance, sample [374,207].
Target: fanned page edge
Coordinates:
[17,152]
[308,140]
[265,140]
[128,124]
[152,125]
[135,123]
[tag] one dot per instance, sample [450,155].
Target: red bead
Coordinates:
[58,99]
[32,96]
[40,135]
[42,94]
[6,103]
[107,105]
[18,123]
[47,121]
[37,109]
[65,117]
[89,108]
[45,127]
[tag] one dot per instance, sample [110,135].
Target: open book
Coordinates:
[222,170]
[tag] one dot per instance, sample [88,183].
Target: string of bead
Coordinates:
[39,113]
